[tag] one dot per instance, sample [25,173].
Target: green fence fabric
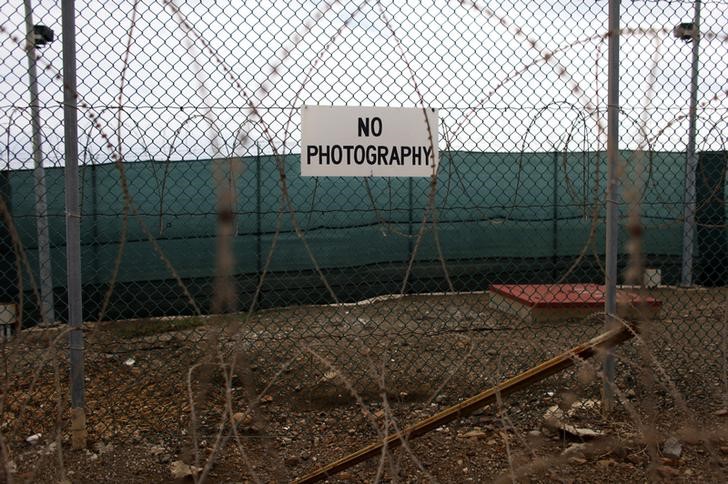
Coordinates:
[487,206]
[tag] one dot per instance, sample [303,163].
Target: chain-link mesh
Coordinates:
[209,264]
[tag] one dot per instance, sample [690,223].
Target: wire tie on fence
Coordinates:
[73,215]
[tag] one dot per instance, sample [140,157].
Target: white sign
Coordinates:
[368,141]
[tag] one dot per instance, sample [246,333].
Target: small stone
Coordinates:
[672,448]
[630,393]
[157,450]
[379,413]
[180,470]
[724,449]
[474,434]
[574,449]
[33,439]
[242,419]
[346,476]
[266,399]
[129,362]
[534,433]
[102,448]
[577,460]
[721,413]
[606,462]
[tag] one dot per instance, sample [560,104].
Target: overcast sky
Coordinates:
[188,92]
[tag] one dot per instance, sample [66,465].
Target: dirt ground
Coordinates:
[305,386]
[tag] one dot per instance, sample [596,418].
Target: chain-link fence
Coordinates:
[213,273]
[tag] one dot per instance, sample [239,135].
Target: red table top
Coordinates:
[566,295]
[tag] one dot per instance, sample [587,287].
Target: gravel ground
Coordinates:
[324,381]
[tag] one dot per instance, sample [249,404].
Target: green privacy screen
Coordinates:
[523,217]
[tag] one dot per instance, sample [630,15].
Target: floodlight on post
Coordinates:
[42,35]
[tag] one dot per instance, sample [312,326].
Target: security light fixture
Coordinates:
[685,31]
[42,35]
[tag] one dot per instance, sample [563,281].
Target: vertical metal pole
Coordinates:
[410,217]
[258,215]
[686,278]
[555,223]
[612,208]
[41,206]
[73,225]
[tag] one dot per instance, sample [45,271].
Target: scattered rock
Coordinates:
[379,413]
[129,362]
[724,449]
[157,450]
[33,439]
[630,394]
[672,448]
[606,462]
[11,467]
[534,433]
[577,460]
[721,413]
[102,448]
[266,399]
[180,470]
[345,476]
[574,449]
[242,419]
[474,434]
[441,398]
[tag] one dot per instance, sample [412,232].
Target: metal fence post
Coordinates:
[686,278]
[73,226]
[612,208]
[47,315]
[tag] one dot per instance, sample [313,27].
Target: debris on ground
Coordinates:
[672,448]
[180,470]
[556,419]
